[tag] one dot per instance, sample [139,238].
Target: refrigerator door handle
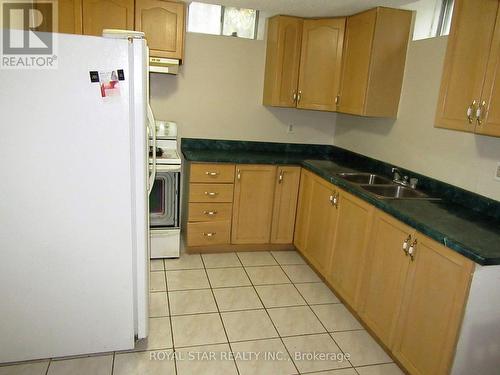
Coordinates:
[152,128]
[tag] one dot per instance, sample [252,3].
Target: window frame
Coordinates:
[221,21]
[445,16]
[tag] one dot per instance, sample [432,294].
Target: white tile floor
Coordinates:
[227,314]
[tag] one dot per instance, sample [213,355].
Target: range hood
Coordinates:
[163,65]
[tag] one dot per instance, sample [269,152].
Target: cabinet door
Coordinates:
[321,225]
[107,14]
[303,210]
[320,63]
[69,16]
[253,203]
[434,300]
[354,219]
[285,204]
[356,61]
[465,63]
[490,121]
[284,37]
[384,276]
[163,24]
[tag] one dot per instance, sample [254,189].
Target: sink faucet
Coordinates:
[398,178]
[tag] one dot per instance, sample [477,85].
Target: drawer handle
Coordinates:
[212,173]
[209,234]
[210,213]
[211,193]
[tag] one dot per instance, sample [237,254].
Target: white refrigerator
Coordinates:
[74,238]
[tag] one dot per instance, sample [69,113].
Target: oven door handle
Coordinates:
[152,128]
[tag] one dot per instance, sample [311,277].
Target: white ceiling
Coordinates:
[308,8]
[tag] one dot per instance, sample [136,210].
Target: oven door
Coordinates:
[164,197]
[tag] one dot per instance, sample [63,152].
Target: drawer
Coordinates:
[218,173]
[206,234]
[210,193]
[210,211]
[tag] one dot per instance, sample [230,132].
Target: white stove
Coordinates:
[164,202]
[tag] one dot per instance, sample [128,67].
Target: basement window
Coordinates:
[221,20]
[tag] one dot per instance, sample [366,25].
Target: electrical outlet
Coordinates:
[497,173]
[290,130]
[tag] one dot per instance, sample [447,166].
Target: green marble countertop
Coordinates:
[472,234]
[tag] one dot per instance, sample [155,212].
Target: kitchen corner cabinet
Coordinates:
[285,204]
[469,98]
[315,225]
[320,63]
[163,24]
[373,62]
[253,202]
[284,37]
[107,14]
[352,232]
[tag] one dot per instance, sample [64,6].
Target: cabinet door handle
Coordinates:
[209,234]
[334,199]
[299,96]
[238,175]
[470,111]
[211,193]
[412,250]
[337,100]
[210,213]
[294,96]
[406,244]
[480,113]
[280,178]
[211,173]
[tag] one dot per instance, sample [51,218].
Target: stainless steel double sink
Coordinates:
[382,187]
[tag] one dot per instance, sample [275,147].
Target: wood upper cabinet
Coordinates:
[385,275]
[320,63]
[163,23]
[489,121]
[284,37]
[373,62]
[69,16]
[285,204]
[435,294]
[107,14]
[319,222]
[253,202]
[354,219]
[470,57]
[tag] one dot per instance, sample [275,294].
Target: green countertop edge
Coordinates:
[193,155]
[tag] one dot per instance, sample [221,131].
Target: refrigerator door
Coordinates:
[71,227]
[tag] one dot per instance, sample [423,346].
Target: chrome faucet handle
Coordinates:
[406,180]
[397,174]
[413,183]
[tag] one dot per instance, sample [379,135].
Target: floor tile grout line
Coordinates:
[220,315]
[271,320]
[317,317]
[170,316]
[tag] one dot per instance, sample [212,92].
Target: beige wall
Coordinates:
[219,95]
[462,159]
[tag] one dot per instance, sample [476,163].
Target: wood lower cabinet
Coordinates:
[316,221]
[352,233]
[303,210]
[253,202]
[373,62]
[163,23]
[469,94]
[285,204]
[384,276]
[284,38]
[434,299]
[320,63]
[107,14]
